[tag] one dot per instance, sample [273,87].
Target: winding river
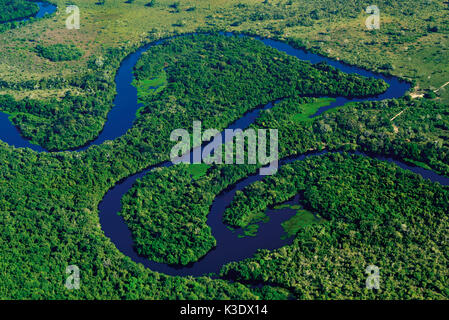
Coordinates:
[44,9]
[230,247]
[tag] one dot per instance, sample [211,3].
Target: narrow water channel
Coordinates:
[229,247]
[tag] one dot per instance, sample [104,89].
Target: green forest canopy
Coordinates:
[216,79]
[16,9]
[376,214]
[48,201]
[59,52]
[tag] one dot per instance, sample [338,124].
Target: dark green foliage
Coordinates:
[48,202]
[152,3]
[430,95]
[49,220]
[54,123]
[422,129]
[59,52]
[163,231]
[433,29]
[175,5]
[244,72]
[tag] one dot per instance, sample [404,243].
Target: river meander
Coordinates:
[230,247]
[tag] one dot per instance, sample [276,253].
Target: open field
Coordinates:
[137,226]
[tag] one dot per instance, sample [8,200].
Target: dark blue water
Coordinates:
[44,9]
[397,87]
[121,117]
[9,133]
[229,246]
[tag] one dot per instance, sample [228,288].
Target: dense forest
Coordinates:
[49,205]
[48,201]
[55,123]
[376,214]
[197,66]
[167,212]
[419,132]
[82,117]
[16,9]
[49,221]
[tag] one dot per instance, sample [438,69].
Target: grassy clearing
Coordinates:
[300,220]
[406,42]
[288,206]
[418,164]
[310,109]
[291,226]
[150,86]
[112,25]
[197,170]
[40,94]
[250,231]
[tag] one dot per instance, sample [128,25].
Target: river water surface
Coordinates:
[230,247]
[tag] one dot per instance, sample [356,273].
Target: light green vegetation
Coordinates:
[407,42]
[289,206]
[252,228]
[150,86]
[309,109]
[197,170]
[49,202]
[418,163]
[412,42]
